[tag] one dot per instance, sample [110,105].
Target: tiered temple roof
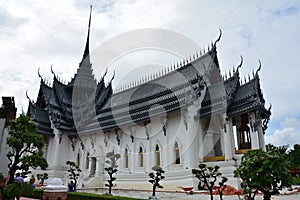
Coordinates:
[170,92]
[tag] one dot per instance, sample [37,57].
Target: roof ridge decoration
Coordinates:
[39,74]
[259,68]
[52,70]
[254,75]
[43,81]
[219,38]
[235,72]
[28,97]
[170,68]
[240,65]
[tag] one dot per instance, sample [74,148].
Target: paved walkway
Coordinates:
[184,196]
[180,196]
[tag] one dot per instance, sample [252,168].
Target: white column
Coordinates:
[90,165]
[261,137]
[228,139]
[193,139]
[99,166]
[201,144]
[147,157]
[253,133]
[58,145]
[254,140]
[133,157]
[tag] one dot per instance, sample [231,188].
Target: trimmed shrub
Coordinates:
[37,194]
[12,190]
[24,190]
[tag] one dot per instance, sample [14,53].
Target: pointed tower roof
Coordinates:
[87,48]
[84,76]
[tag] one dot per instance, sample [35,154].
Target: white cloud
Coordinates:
[288,134]
[290,122]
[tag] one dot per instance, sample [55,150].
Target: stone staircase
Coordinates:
[92,181]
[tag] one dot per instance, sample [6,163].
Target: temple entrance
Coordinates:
[244,138]
[93,167]
[212,139]
[243,132]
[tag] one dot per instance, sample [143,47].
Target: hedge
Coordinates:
[28,191]
[296,181]
[91,196]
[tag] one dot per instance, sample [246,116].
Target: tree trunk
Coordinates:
[13,168]
[12,175]
[110,183]
[109,189]
[267,196]
[153,191]
[211,193]
[75,183]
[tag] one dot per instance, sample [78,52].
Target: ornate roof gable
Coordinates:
[56,101]
[249,97]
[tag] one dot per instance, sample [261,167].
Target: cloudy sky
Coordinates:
[36,34]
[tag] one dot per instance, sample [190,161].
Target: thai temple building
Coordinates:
[187,114]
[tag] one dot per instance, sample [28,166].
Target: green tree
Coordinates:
[265,171]
[111,160]
[207,175]
[25,147]
[155,177]
[74,171]
[294,157]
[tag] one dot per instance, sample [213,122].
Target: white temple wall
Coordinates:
[57,154]
[65,150]
[187,135]
[52,151]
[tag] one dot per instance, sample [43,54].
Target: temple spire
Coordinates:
[87,49]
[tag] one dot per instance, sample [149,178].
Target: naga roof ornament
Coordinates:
[259,68]
[218,39]
[240,65]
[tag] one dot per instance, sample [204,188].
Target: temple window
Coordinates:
[126,158]
[141,157]
[157,155]
[176,154]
